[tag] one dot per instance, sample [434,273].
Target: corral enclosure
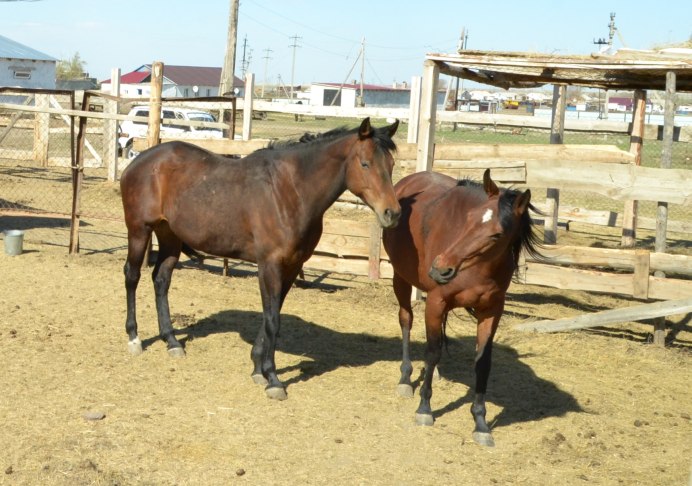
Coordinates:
[559,415]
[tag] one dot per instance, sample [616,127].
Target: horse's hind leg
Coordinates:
[137,242]
[169,253]
[402,291]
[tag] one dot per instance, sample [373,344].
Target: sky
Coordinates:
[328,35]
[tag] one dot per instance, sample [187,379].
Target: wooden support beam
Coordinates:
[154,129]
[428,109]
[629,223]
[557,132]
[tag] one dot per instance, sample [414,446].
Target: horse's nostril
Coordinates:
[447,272]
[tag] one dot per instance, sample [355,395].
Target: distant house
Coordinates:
[347,95]
[178,82]
[24,67]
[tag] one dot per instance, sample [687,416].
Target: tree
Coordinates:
[73,68]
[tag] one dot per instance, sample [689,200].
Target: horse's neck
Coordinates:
[323,177]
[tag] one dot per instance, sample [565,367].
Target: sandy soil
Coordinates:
[590,407]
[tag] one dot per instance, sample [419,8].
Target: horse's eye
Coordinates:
[365,164]
[496,236]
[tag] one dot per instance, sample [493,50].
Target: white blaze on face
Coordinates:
[487,216]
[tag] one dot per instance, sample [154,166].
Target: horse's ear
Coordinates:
[489,185]
[391,129]
[365,130]
[521,203]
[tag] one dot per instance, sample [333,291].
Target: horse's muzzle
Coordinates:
[390,218]
[441,275]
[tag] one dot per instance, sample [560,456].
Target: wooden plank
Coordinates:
[346,227]
[616,181]
[633,313]
[344,246]
[504,171]
[374,251]
[640,278]
[616,259]
[426,122]
[536,151]
[337,265]
[669,288]
[577,279]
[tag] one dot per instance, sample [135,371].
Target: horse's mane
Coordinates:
[380,136]
[528,238]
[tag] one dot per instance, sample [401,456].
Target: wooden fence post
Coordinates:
[629,219]
[41,130]
[426,125]
[414,110]
[110,128]
[154,129]
[557,133]
[375,250]
[247,106]
[662,209]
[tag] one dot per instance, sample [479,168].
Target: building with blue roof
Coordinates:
[24,67]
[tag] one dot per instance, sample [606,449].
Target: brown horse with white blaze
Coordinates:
[266,208]
[459,241]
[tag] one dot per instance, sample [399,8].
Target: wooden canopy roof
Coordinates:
[627,69]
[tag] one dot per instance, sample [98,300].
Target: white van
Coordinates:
[129,130]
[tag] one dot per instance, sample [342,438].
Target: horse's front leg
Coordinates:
[273,289]
[488,321]
[136,247]
[435,316]
[402,291]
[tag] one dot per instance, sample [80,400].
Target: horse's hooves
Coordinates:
[176,352]
[484,439]
[276,393]
[135,347]
[259,379]
[404,390]
[424,419]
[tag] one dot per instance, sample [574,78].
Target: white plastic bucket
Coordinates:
[14,241]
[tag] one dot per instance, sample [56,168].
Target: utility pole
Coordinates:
[245,64]
[608,50]
[228,70]
[293,66]
[361,101]
[266,65]
[463,39]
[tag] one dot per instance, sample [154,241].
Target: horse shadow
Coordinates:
[513,385]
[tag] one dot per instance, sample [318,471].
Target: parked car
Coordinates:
[129,130]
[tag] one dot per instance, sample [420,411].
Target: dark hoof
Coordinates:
[259,379]
[276,393]
[135,347]
[484,439]
[424,419]
[404,390]
[176,352]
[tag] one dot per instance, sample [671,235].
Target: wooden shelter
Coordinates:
[667,69]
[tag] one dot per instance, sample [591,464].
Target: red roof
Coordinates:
[180,75]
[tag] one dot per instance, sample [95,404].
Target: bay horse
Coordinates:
[266,208]
[459,241]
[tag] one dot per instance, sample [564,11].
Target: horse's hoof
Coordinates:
[276,393]
[135,347]
[424,419]
[177,352]
[404,390]
[259,379]
[484,439]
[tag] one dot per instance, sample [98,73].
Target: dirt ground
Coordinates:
[590,407]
